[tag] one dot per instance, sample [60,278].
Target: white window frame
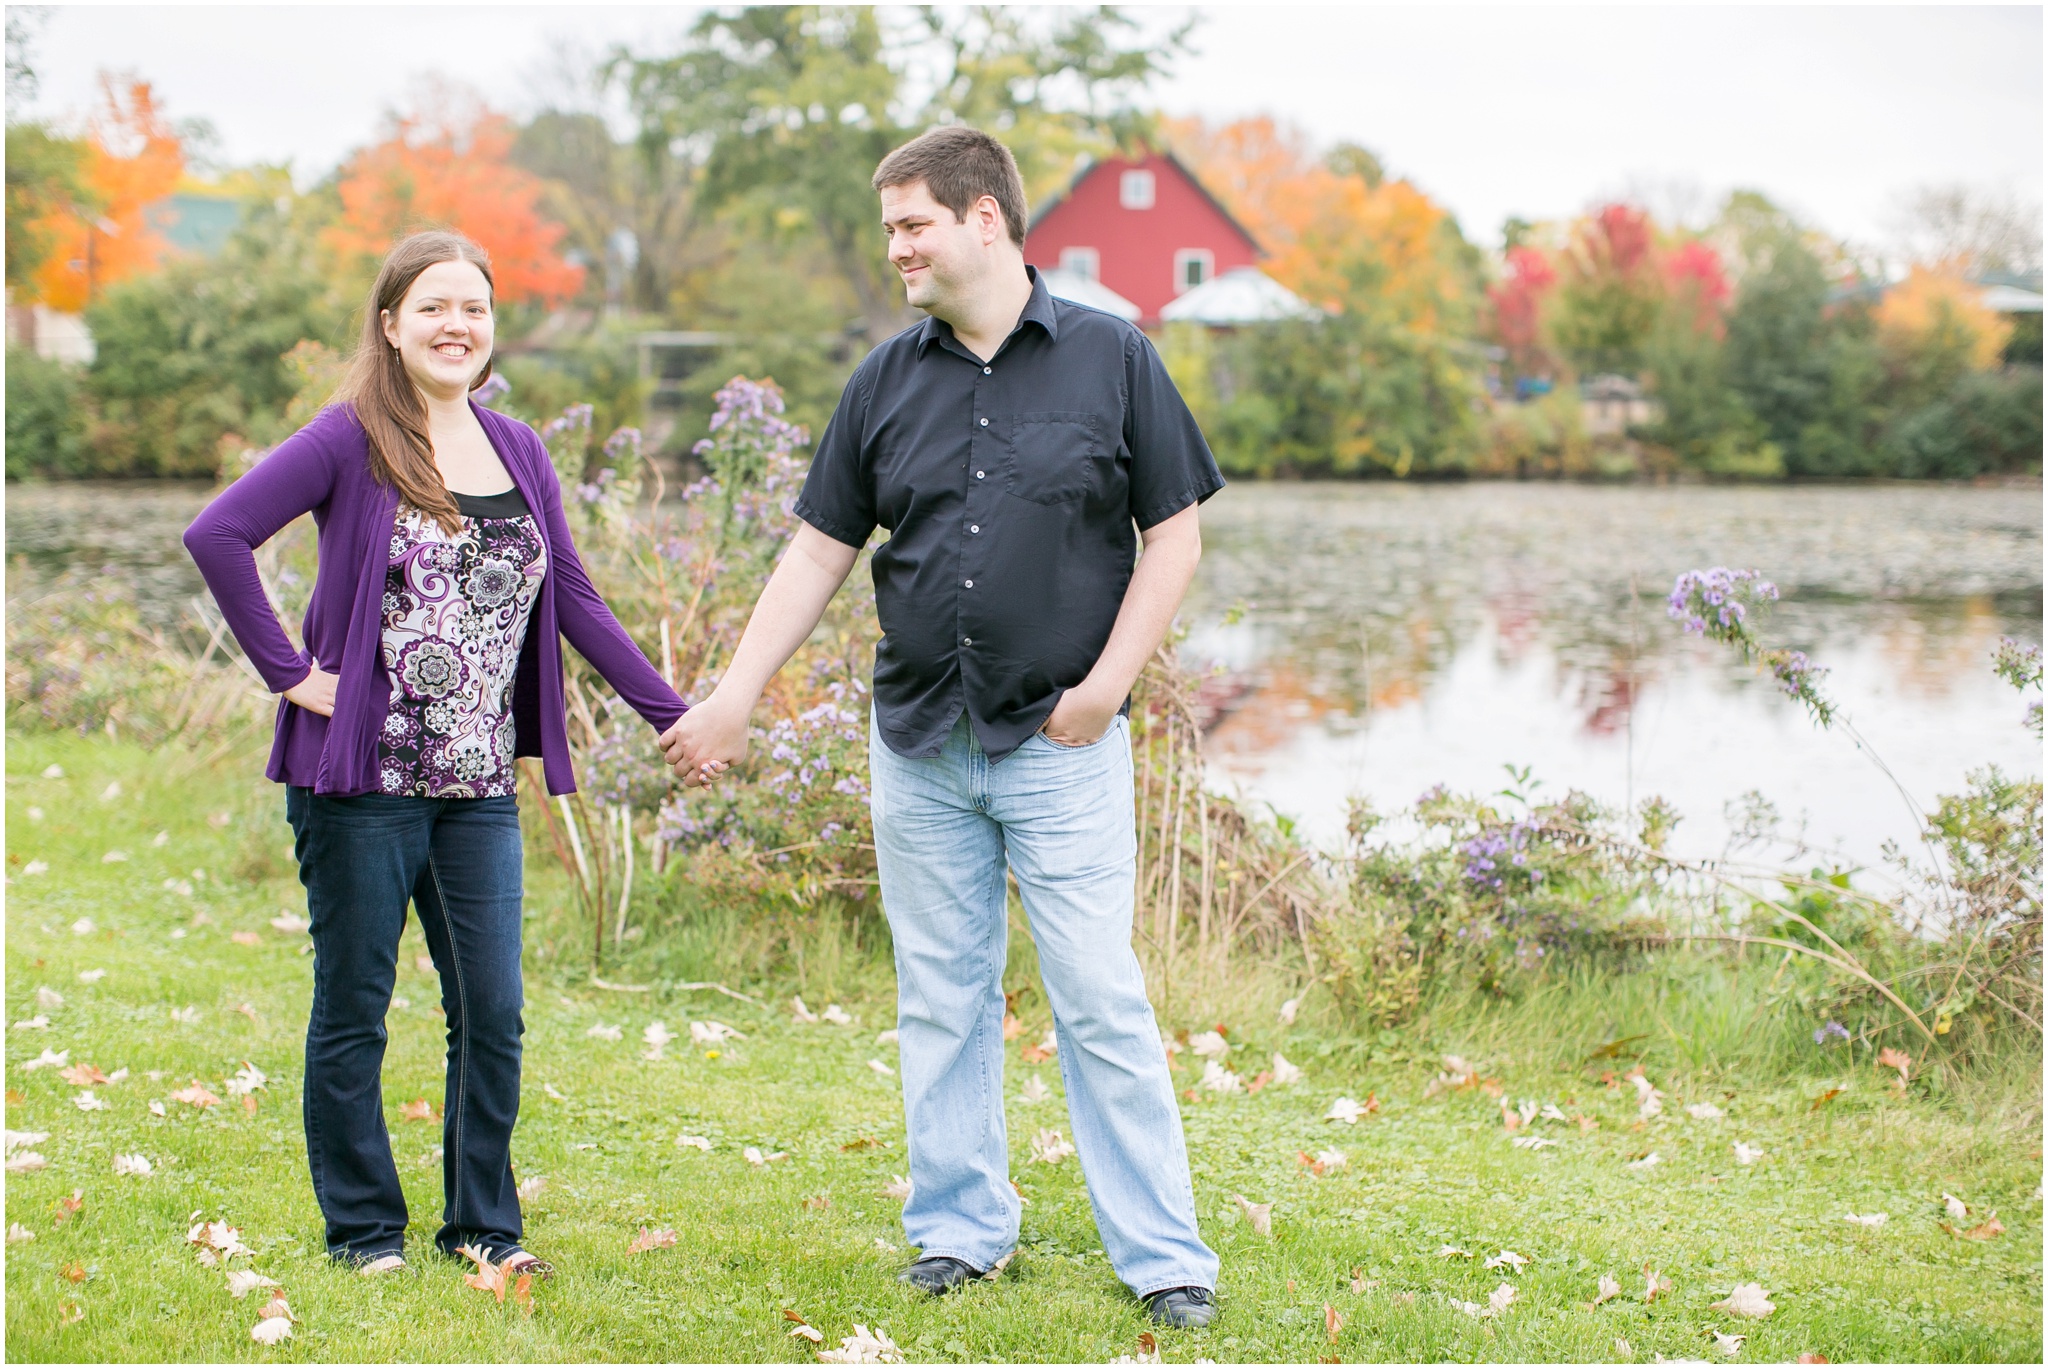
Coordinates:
[1192,256]
[1137,188]
[1082,261]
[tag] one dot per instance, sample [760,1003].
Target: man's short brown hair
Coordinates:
[959,165]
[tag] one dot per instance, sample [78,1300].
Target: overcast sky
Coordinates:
[1534,111]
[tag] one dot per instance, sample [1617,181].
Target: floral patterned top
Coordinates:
[455,611]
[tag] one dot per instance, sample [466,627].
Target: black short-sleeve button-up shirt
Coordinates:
[1012,490]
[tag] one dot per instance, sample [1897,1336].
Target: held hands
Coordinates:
[315,693]
[707,741]
[1080,719]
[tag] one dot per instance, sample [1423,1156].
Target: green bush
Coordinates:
[1989,422]
[46,417]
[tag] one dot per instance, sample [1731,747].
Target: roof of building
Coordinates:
[1089,167]
[1076,288]
[1246,295]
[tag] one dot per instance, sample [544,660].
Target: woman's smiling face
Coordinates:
[443,328]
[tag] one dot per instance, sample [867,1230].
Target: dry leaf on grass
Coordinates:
[1553,1113]
[1703,1112]
[898,1188]
[271,1330]
[214,1242]
[291,924]
[1729,1343]
[1654,1283]
[1285,1071]
[82,1075]
[661,1238]
[418,1110]
[1332,1323]
[605,1031]
[245,938]
[836,1015]
[1746,1300]
[657,1036]
[1867,1219]
[1049,1147]
[529,1189]
[803,1014]
[686,1140]
[15,1140]
[17,1233]
[49,1059]
[1498,1300]
[1610,1288]
[25,1161]
[1034,1091]
[39,1023]
[753,1156]
[879,1068]
[1891,1058]
[1216,1078]
[1209,1045]
[135,1166]
[89,1102]
[890,1037]
[1650,1161]
[864,1348]
[1260,1215]
[712,1034]
[1348,1111]
[1747,1154]
[247,1080]
[1957,1208]
[1508,1259]
[1452,1252]
[243,1282]
[1013,1027]
[1530,1142]
[809,1333]
[198,1095]
[1983,1231]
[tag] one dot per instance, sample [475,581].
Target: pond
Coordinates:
[1375,640]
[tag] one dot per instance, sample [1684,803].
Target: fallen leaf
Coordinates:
[1729,1343]
[890,1037]
[551,1091]
[114,858]
[1034,1091]
[1983,1231]
[1285,1071]
[1811,1357]
[1703,1112]
[1552,1112]
[657,1036]
[1623,1350]
[898,1188]
[1209,1045]
[818,1202]
[291,924]
[1650,1161]
[74,1273]
[1826,1097]
[1531,1142]
[659,1239]
[1868,1219]
[418,1110]
[1452,1252]
[1587,1124]
[136,1166]
[879,1068]
[604,1031]
[1260,1215]
[270,1331]
[245,938]
[1507,1258]
[712,1034]
[243,1282]
[836,1015]
[156,1107]
[1332,1323]
[247,1080]
[25,1162]
[185,1017]
[1655,1283]
[1957,1208]
[1049,1147]
[82,1075]
[809,1333]
[803,1014]
[1498,1300]
[1218,1078]
[1471,1309]
[864,1348]
[695,1142]
[49,1059]
[1747,1154]
[17,1233]
[1610,1288]
[1013,1027]
[1893,1059]
[1746,1300]
[1347,1111]
[529,1189]
[197,1094]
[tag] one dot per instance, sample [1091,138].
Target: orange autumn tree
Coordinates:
[133,159]
[1343,237]
[453,170]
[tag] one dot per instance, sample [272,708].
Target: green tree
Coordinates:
[43,170]
[792,107]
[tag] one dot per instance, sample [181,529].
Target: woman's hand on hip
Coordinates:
[315,693]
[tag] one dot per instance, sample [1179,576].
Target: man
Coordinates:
[1009,443]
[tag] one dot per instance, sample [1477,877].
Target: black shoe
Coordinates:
[1182,1307]
[939,1274]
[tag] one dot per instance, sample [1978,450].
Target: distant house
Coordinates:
[1145,230]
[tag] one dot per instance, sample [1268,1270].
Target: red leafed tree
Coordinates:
[1699,285]
[1518,307]
[454,172]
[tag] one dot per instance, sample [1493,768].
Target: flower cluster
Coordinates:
[1715,603]
[1831,1030]
[2019,665]
[492,390]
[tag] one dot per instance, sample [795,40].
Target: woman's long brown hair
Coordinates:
[385,401]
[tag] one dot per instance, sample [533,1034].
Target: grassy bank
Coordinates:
[815,1234]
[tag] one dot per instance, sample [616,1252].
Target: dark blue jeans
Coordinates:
[458,861]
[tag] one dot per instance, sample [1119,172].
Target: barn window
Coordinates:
[1137,190]
[1082,261]
[1191,267]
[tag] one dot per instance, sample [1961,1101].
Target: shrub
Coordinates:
[46,417]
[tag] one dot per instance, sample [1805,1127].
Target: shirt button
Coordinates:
[966,641]
[974,527]
[984,423]
[970,584]
[987,371]
[979,474]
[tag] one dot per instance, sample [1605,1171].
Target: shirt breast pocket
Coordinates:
[1055,458]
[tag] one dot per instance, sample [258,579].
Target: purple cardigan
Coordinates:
[324,469]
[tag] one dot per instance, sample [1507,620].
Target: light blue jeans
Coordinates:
[1061,819]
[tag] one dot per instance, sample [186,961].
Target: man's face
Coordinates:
[941,258]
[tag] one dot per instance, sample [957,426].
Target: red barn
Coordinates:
[1146,229]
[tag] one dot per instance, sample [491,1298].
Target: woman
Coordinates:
[447,579]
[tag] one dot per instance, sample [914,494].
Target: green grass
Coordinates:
[1421,1173]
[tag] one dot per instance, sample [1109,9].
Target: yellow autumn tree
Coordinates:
[133,160]
[1341,236]
[1934,310]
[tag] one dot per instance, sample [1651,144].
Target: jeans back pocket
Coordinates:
[1054,457]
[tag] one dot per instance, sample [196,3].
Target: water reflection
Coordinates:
[1380,639]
